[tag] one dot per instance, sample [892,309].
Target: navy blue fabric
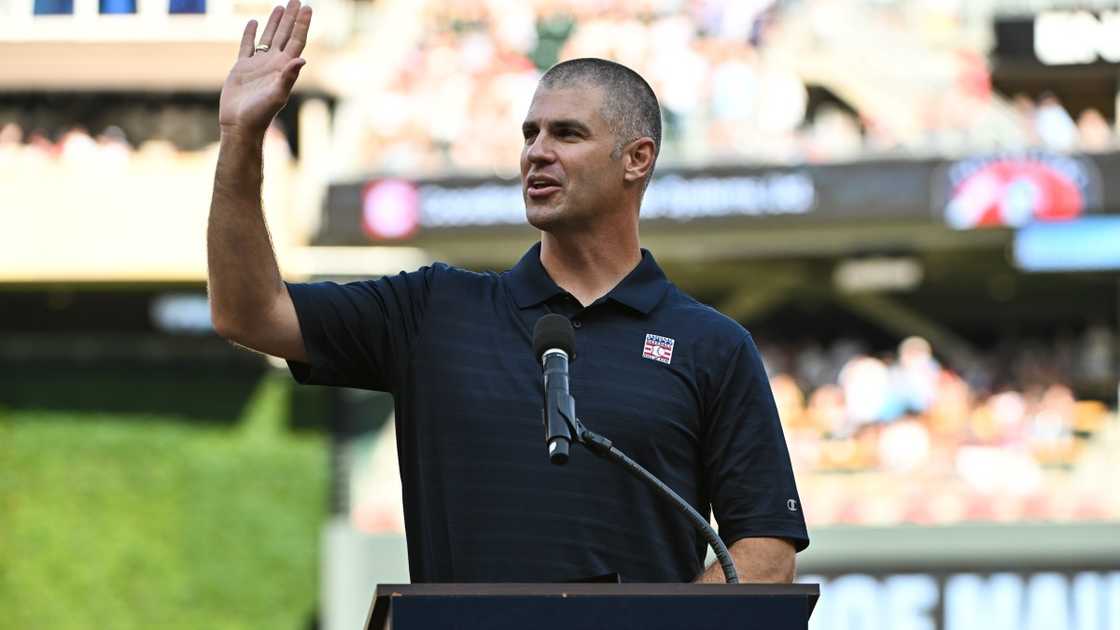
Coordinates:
[481,501]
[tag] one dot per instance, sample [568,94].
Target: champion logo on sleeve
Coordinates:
[658,348]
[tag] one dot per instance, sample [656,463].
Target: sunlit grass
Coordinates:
[151,522]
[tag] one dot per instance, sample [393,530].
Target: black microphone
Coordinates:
[554,344]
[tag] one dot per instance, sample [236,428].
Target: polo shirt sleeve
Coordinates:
[360,334]
[747,470]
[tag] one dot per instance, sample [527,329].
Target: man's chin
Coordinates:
[544,216]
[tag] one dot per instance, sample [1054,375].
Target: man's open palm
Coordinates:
[260,82]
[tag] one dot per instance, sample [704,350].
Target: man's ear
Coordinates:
[638,157]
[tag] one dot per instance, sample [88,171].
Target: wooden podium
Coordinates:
[592,606]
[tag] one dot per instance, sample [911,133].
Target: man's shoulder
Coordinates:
[451,275]
[447,284]
[705,320]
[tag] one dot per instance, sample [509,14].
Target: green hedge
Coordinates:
[131,521]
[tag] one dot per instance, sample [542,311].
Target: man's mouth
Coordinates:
[541,187]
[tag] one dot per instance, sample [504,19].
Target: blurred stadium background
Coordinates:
[913,205]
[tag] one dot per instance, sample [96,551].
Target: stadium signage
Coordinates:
[1089,244]
[1007,189]
[682,199]
[1012,190]
[1077,37]
[1045,600]
[395,209]
[390,209]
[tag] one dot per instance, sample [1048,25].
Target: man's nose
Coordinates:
[540,150]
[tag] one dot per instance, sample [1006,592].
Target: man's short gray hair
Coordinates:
[629,104]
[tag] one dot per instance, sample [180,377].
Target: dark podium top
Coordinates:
[584,606]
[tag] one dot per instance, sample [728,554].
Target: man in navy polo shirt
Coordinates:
[676,385]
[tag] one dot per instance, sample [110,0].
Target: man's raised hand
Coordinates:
[259,84]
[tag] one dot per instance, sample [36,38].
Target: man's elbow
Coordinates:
[230,328]
[223,325]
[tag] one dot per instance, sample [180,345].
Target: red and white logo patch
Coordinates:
[658,348]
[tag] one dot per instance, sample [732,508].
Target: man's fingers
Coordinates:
[284,31]
[270,27]
[299,32]
[290,73]
[247,39]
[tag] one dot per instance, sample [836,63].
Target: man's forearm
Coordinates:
[756,560]
[242,271]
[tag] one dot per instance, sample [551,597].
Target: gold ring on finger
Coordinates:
[261,48]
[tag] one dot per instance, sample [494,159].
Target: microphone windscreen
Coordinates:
[553,331]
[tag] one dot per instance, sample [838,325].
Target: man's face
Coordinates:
[568,177]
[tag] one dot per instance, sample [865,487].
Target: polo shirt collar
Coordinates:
[641,289]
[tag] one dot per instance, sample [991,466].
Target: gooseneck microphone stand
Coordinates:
[603,447]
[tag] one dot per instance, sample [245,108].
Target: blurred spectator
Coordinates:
[827,412]
[1026,112]
[113,146]
[812,366]
[789,399]
[77,147]
[11,141]
[39,145]
[1053,124]
[1051,430]
[834,134]
[1098,360]
[904,446]
[916,375]
[1000,420]
[1094,132]
[866,384]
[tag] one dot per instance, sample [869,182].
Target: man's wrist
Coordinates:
[241,135]
[712,575]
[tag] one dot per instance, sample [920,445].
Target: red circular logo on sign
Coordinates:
[1013,192]
[390,209]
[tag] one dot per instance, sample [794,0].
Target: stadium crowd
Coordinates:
[116,208]
[917,441]
[738,82]
[458,100]
[110,146]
